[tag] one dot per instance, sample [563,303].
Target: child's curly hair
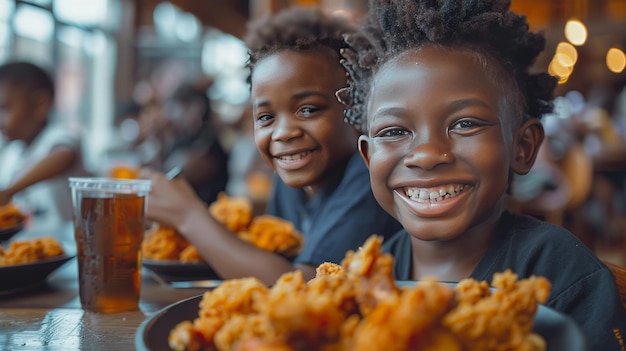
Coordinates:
[486,27]
[299,29]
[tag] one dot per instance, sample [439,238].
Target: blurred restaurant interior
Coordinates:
[105,53]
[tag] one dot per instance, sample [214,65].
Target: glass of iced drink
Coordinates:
[109,216]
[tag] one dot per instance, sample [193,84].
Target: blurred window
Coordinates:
[7,8]
[224,57]
[81,12]
[43,3]
[34,23]
[34,31]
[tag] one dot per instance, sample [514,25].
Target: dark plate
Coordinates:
[560,332]
[180,271]
[22,277]
[7,233]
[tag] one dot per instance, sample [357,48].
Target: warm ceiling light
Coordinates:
[564,60]
[615,60]
[569,51]
[576,32]
[557,69]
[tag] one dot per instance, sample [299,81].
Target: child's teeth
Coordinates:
[432,195]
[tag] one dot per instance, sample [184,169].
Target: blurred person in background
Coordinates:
[38,155]
[136,139]
[601,132]
[193,142]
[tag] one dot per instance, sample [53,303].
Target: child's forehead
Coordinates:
[292,63]
[467,56]
[463,63]
[441,76]
[322,57]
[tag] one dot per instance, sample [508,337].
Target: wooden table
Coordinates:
[50,318]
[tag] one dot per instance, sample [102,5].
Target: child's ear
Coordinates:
[527,141]
[364,148]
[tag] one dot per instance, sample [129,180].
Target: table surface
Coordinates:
[50,317]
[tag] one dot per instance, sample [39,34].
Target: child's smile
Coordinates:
[433,201]
[293,160]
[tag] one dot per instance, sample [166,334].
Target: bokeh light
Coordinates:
[576,32]
[615,60]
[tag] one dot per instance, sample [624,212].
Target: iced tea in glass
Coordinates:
[109,216]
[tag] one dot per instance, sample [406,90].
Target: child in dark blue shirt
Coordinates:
[450,111]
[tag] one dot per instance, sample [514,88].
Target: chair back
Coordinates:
[620,279]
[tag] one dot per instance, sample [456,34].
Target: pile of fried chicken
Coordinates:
[163,243]
[264,231]
[235,213]
[30,250]
[358,306]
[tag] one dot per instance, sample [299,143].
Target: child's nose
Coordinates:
[428,155]
[285,129]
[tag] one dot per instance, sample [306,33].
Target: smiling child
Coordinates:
[450,111]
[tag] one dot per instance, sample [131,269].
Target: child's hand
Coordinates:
[5,197]
[170,201]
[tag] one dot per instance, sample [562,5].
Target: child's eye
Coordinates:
[391,132]
[307,111]
[264,118]
[464,124]
[469,123]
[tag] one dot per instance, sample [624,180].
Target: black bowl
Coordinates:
[7,233]
[171,271]
[22,277]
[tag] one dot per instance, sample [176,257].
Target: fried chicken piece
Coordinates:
[259,344]
[502,319]
[308,315]
[190,254]
[231,298]
[20,252]
[372,273]
[3,259]
[408,321]
[242,328]
[185,337]
[328,268]
[163,243]
[273,234]
[50,247]
[346,333]
[235,296]
[235,213]
[10,216]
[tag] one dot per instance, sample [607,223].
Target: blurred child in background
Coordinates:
[38,155]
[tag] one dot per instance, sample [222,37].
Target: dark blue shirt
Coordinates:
[582,286]
[339,218]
